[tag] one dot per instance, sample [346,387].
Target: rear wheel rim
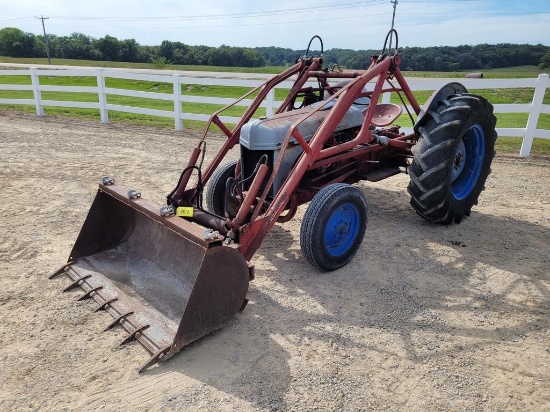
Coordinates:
[467,162]
[342,229]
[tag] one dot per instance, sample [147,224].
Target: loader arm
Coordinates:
[303,67]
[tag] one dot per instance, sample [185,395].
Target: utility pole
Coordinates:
[394,2]
[45,37]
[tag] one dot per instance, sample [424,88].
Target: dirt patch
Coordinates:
[424,318]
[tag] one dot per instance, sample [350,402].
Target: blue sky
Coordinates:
[285,23]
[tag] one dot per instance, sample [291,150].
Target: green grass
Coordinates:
[109,64]
[541,147]
[502,73]
[495,96]
[514,72]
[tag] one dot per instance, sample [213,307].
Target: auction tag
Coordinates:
[184,211]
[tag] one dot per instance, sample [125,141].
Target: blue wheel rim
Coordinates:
[341,229]
[467,162]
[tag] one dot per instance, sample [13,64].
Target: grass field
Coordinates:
[495,96]
[182,67]
[512,72]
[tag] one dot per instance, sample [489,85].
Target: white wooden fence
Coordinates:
[527,133]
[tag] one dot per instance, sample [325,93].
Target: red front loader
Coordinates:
[172,274]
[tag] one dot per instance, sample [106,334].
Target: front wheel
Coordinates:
[333,226]
[452,158]
[216,191]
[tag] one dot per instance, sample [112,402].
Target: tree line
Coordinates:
[16,43]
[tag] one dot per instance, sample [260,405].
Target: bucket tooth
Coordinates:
[104,305]
[88,294]
[118,320]
[132,336]
[61,270]
[76,283]
[154,359]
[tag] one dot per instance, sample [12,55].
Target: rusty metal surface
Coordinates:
[161,331]
[385,114]
[159,280]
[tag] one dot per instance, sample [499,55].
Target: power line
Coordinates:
[316,8]
[231,15]
[45,37]
[17,19]
[331,18]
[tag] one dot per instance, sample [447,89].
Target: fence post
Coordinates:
[177,101]
[36,92]
[102,96]
[270,103]
[533,119]
[386,97]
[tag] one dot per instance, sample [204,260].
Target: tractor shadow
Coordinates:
[408,276]
[408,270]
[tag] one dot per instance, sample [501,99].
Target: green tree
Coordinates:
[167,50]
[197,55]
[129,50]
[77,46]
[545,61]
[110,48]
[468,61]
[221,56]
[454,67]
[16,43]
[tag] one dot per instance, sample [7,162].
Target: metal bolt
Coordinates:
[132,194]
[167,211]
[210,234]
[106,180]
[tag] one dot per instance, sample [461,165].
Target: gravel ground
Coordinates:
[425,318]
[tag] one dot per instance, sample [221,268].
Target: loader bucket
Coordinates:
[158,277]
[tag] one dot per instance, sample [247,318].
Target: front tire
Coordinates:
[333,226]
[215,193]
[452,158]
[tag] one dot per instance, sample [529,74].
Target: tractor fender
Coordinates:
[441,94]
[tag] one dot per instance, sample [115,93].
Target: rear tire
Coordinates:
[452,158]
[215,193]
[333,226]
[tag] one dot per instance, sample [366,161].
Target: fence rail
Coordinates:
[527,133]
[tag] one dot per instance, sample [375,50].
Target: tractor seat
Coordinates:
[385,114]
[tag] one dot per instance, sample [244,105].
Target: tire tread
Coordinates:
[429,185]
[318,207]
